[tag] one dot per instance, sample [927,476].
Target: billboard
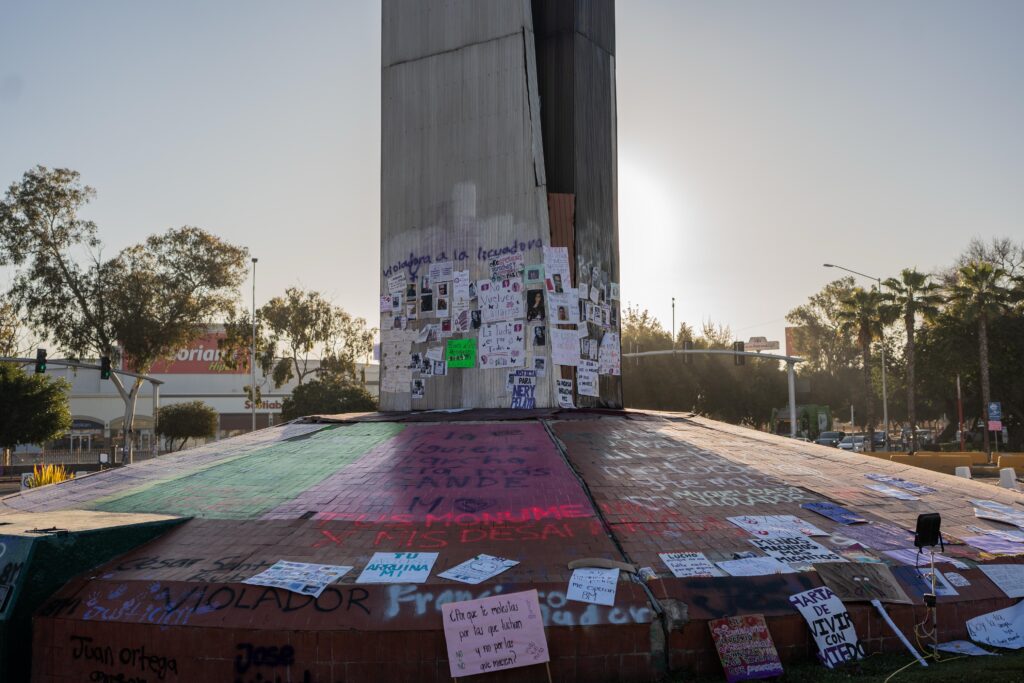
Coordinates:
[200,357]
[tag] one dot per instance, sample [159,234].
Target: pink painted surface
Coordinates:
[491,634]
[442,474]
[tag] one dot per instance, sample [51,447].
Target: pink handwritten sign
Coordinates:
[495,633]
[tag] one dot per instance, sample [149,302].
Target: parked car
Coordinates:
[853,443]
[879,439]
[830,438]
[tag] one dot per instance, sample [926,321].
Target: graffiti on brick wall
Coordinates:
[121,663]
[403,602]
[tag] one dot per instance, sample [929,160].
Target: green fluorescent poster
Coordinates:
[461,353]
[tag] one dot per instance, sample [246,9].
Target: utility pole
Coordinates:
[673,323]
[252,359]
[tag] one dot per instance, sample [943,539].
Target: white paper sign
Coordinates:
[565,399]
[385,303]
[299,577]
[609,359]
[440,272]
[1002,628]
[396,283]
[506,266]
[501,299]
[796,550]
[683,565]
[830,624]
[563,308]
[502,345]
[943,588]
[587,378]
[460,286]
[398,568]
[891,492]
[957,580]
[1009,578]
[962,647]
[990,509]
[478,569]
[595,586]
[755,566]
[565,347]
[773,526]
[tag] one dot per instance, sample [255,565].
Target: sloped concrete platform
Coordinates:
[544,488]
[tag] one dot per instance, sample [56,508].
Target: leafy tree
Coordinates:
[327,395]
[819,331]
[861,314]
[910,296]
[33,408]
[14,341]
[139,306]
[300,335]
[184,421]
[981,294]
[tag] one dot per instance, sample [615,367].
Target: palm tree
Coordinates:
[911,295]
[862,313]
[980,294]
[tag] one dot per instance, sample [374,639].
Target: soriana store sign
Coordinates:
[201,357]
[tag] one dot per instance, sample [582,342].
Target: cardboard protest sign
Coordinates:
[774,526]
[501,299]
[1002,628]
[745,648]
[830,625]
[880,536]
[683,565]
[495,633]
[995,545]
[834,512]
[398,568]
[963,647]
[853,581]
[596,586]
[795,550]
[564,388]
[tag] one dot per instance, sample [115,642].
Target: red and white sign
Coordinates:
[201,357]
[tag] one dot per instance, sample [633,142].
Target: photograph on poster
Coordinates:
[539,336]
[535,305]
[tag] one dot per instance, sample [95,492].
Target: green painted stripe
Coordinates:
[256,482]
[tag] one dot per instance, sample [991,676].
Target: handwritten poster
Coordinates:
[398,568]
[494,633]
[564,388]
[774,526]
[609,358]
[990,509]
[1002,628]
[478,569]
[745,648]
[460,353]
[396,283]
[596,586]
[509,265]
[796,550]
[501,299]
[683,565]
[556,269]
[565,347]
[299,577]
[587,378]
[524,386]
[563,307]
[440,272]
[1009,578]
[830,625]
[755,566]
[502,345]
[460,286]
[834,512]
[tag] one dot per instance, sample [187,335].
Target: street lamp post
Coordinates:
[885,392]
[252,359]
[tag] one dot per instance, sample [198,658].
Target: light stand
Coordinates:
[928,535]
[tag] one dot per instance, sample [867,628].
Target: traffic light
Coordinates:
[105,367]
[40,361]
[738,359]
[688,357]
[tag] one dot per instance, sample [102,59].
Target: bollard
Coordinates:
[1008,478]
[963,471]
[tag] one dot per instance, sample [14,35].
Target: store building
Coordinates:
[195,373]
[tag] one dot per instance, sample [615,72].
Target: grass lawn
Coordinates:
[1006,668]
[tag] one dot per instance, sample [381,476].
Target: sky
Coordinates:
[757,140]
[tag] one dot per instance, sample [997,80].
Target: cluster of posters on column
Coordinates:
[442,320]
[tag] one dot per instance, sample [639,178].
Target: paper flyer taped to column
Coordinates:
[565,398]
[502,345]
[683,565]
[501,300]
[587,378]
[398,568]
[565,347]
[396,282]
